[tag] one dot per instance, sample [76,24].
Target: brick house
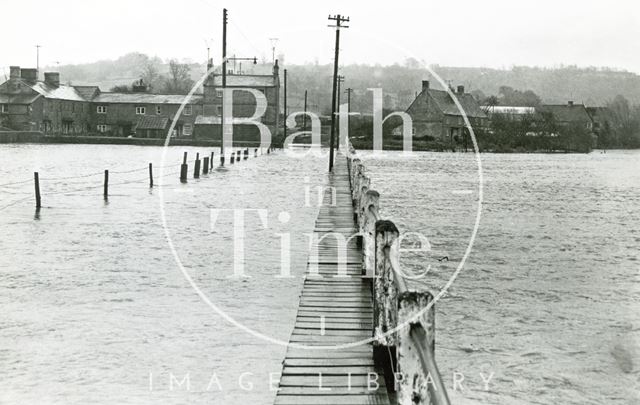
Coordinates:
[208,123]
[52,108]
[436,116]
[32,105]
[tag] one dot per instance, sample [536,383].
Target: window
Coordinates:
[158,110]
[141,110]
[219,93]
[187,109]
[4,108]
[102,128]
[102,109]
[219,109]
[187,129]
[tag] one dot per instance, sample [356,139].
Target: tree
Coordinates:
[150,73]
[179,81]
[121,88]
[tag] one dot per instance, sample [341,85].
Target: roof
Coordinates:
[145,98]
[215,120]
[566,113]
[149,122]
[449,107]
[61,92]
[18,98]
[431,101]
[247,80]
[88,92]
[501,109]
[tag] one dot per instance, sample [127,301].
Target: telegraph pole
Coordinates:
[224,80]
[349,109]
[339,20]
[38,61]
[274,41]
[304,116]
[285,104]
[340,80]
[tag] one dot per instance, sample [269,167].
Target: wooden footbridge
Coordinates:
[360,337]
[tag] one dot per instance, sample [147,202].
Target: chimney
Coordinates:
[460,89]
[276,68]
[52,78]
[139,86]
[14,72]
[425,85]
[29,74]
[209,64]
[570,103]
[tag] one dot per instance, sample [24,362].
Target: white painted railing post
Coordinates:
[385,305]
[367,223]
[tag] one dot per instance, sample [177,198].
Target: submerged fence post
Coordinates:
[232,158]
[36,180]
[196,167]
[211,162]
[106,185]
[205,165]
[183,169]
[255,152]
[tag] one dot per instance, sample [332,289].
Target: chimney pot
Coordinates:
[29,74]
[425,85]
[14,72]
[52,78]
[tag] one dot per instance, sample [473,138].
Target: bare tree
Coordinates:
[179,81]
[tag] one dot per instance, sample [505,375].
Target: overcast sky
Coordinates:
[490,33]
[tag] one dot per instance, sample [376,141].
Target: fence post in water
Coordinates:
[205,165]
[150,175]
[246,154]
[36,180]
[183,169]
[415,347]
[232,158]
[211,162]
[255,153]
[367,207]
[106,185]
[196,167]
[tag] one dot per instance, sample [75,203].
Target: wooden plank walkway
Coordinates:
[333,311]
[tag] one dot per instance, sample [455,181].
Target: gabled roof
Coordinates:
[145,98]
[565,112]
[87,92]
[21,98]
[441,100]
[150,122]
[61,92]
[448,106]
[247,80]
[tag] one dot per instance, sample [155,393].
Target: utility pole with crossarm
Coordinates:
[339,20]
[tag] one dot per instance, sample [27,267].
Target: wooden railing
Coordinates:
[404,319]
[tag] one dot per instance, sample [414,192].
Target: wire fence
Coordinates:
[82,184]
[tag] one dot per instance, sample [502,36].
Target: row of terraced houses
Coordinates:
[29,104]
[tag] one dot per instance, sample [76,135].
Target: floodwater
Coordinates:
[95,308]
[548,300]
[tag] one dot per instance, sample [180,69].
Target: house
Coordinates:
[569,114]
[53,108]
[208,123]
[120,114]
[48,106]
[435,114]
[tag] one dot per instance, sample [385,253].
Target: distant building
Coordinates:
[47,106]
[436,115]
[208,121]
[568,114]
[603,120]
[516,113]
[53,108]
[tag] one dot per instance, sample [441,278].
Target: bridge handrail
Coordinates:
[418,380]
